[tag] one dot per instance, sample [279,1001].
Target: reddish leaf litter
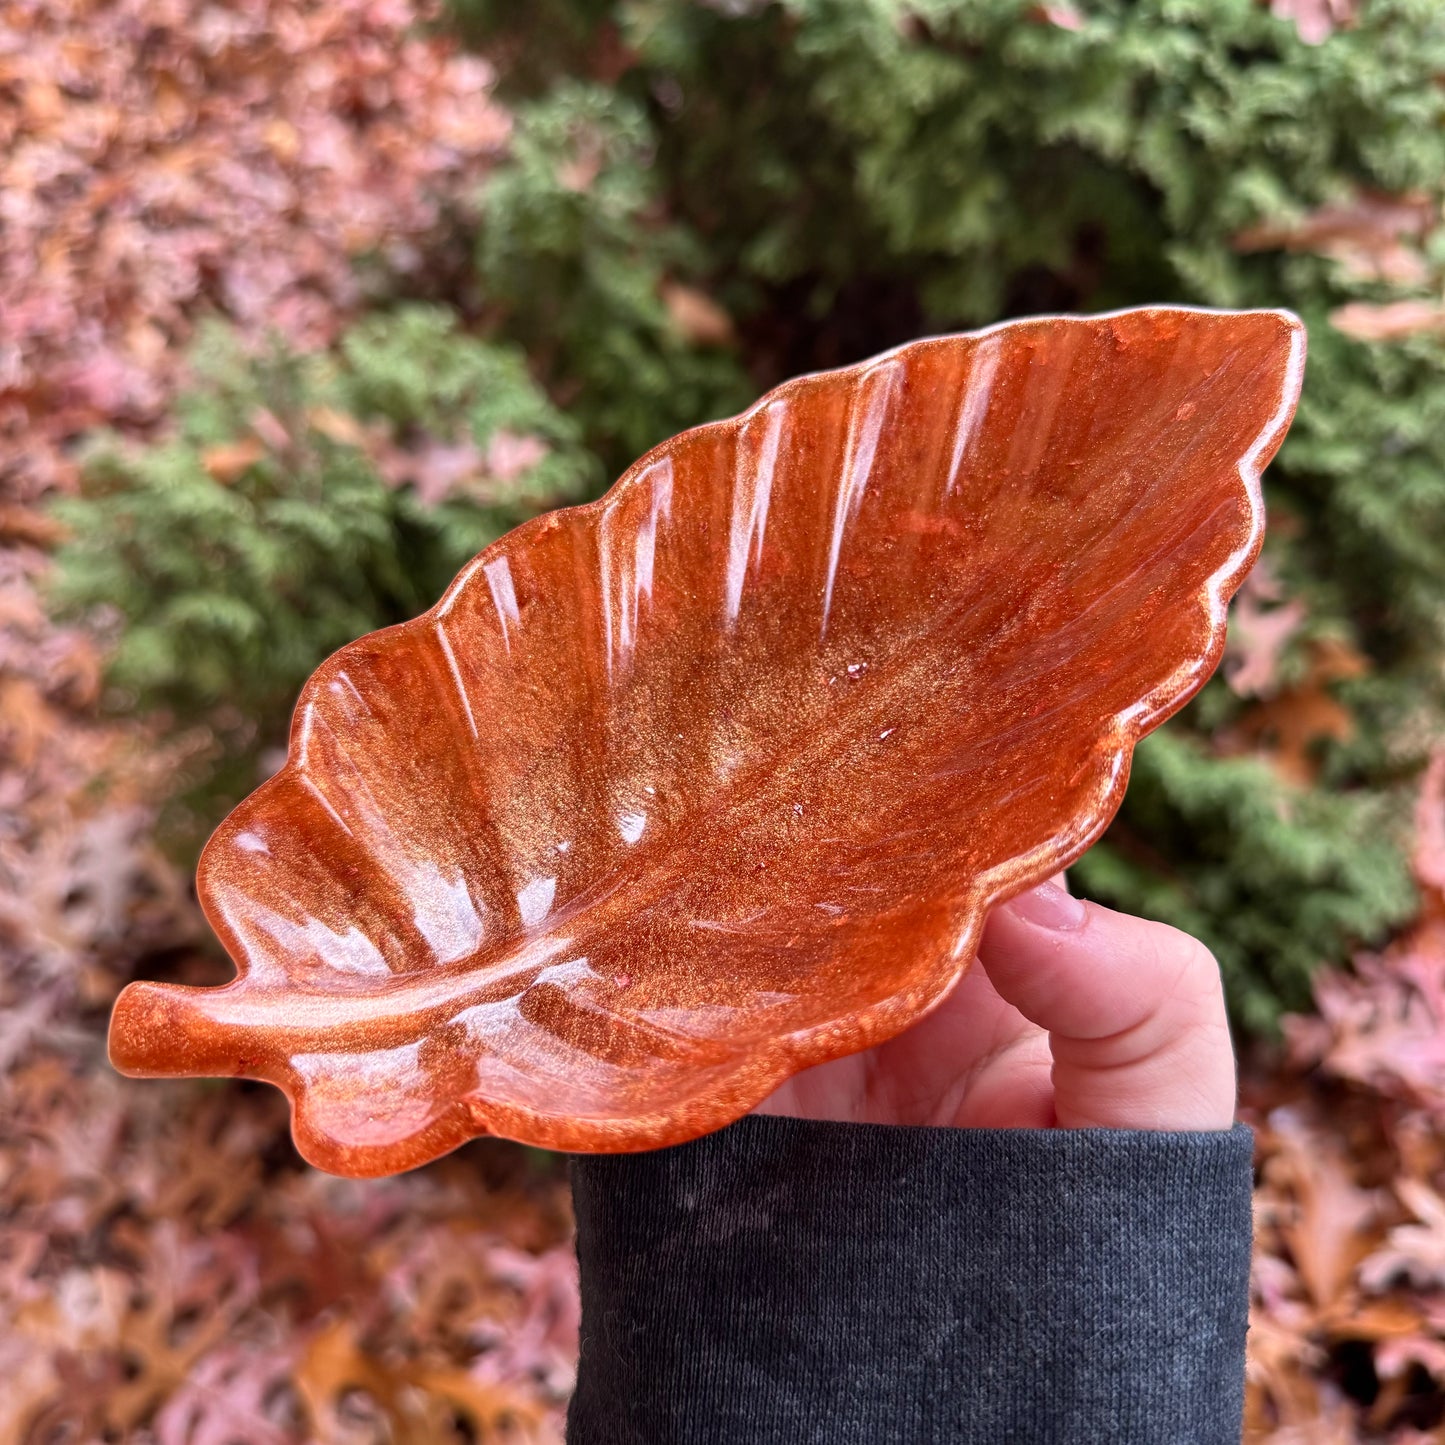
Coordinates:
[165,159]
[1347,1335]
[169,1271]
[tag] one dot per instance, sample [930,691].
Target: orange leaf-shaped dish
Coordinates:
[676,794]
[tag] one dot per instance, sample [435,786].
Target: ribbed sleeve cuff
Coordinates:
[785,1280]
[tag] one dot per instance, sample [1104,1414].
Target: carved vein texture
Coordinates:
[676,794]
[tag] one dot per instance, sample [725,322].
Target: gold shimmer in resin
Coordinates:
[676,794]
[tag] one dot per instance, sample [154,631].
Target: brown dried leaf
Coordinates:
[696,316]
[1316,20]
[270,429]
[490,1410]
[1374,237]
[408,1399]
[1261,626]
[1388,320]
[1394,1357]
[1283,1399]
[1413,1252]
[1429,854]
[1287,730]
[29,526]
[341,428]
[510,455]
[433,468]
[26,720]
[228,461]
[1329,1229]
[236,1395]
[1065,17]
[1287,727]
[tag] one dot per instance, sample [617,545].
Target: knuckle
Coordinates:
[1188,962]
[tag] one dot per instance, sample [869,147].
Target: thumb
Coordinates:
[1134,1011]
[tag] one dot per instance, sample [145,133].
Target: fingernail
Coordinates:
[1048,906]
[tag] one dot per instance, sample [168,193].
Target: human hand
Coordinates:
[1074,1017]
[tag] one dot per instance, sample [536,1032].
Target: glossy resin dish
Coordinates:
[676,794]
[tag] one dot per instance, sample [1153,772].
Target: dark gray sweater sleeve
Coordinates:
[797,1282]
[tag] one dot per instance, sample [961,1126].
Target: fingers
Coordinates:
[1134,1011]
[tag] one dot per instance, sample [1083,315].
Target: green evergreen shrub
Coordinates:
[231,558]
[849,173]
[576,254]
[841,175]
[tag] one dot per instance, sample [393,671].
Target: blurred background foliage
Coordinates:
[699,199]
[304,301]
[299,501]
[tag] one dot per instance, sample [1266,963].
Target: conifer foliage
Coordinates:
[847,175]
[302,501]
[699,198]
